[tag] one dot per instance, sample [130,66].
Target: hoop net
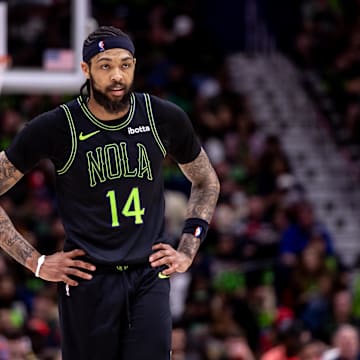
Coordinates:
[4,63]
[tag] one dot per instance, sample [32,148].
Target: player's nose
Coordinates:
[117,75]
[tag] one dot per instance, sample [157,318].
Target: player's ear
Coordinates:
[85,69]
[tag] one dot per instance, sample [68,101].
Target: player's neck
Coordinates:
[102,114]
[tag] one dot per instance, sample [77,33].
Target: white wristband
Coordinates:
[40,261]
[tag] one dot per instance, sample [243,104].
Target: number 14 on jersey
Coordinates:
[132,207]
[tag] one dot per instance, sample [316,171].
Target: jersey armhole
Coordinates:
[71,158]
[152,124]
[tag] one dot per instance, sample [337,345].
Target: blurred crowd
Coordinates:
[324,39]
[267,283]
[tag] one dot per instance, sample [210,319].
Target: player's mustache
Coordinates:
[117,85]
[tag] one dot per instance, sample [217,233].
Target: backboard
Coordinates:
[43,39]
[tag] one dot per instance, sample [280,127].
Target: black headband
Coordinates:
[107,43]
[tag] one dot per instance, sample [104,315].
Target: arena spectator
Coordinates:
[312,350]
[346,344]
[304,229]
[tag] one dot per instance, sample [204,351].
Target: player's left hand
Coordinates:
[165,254]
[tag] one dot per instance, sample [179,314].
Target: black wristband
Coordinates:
[197,227]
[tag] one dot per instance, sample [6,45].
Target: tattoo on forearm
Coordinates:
[8,169]
[202,203]
[205,187]
[24,250]
[9,175]
[12,242]
[189,245]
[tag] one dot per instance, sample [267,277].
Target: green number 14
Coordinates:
[132,207]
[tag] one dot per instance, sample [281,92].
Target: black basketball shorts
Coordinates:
[121,315]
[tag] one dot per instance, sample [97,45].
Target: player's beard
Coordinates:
[112,106]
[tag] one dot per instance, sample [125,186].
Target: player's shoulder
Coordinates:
[165,111]
[164,104]
[53,118]
[158,103]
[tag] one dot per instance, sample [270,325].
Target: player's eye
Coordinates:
[105,66]
[126,65]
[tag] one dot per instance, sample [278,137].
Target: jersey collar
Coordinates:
[101,124]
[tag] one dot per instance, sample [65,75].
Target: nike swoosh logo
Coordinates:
[83,137]
[162,276]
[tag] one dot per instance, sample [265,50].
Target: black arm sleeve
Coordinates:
[175,130]
[46,136]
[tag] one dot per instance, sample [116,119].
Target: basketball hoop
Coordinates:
[4,63]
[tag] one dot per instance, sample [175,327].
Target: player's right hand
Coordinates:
[58,266]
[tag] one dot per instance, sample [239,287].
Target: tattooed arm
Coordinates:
[204,194]
[205,187]
[57,266]
[10,240]
[15,245]
[9,175]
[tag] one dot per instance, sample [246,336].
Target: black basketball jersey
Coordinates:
[109,185]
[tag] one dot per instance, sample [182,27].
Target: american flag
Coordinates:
[58,59]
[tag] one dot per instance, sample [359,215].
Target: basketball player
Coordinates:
[108,149]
